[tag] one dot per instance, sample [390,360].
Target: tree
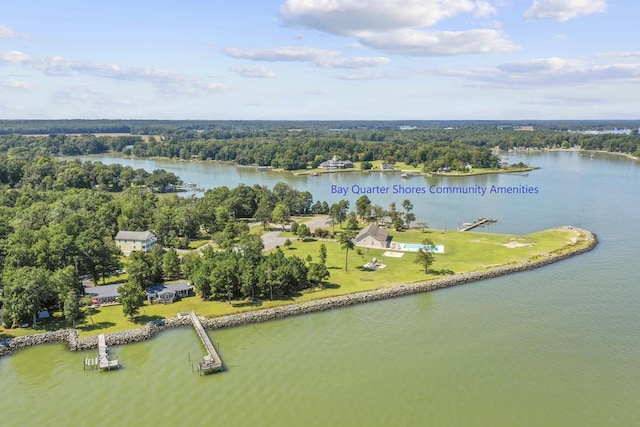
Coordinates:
[363,207]
[287,243]
[281,215]
[352,221]
[171,264]
[424,256]
[27,291]
[303,231]
[190,264]
[98,252]
[408,215]
[338,212]
[323,254]
[140,269]
[71,307]
[156,256]
[132,297]
[317,273]
[346,242]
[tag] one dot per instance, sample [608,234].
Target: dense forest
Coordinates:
[168,127]
[58,220]
[300,145]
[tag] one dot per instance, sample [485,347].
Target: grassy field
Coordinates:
[463,252]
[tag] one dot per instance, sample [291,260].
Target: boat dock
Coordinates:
[478,223]
[211,361]
[102,362]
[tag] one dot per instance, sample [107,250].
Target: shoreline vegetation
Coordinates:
[585,242]
[463,148]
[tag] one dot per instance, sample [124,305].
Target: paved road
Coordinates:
[318,222]
[271,239]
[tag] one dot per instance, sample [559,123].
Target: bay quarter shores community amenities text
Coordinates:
[433,189]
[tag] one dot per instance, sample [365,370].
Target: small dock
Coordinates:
[102,362]
[211,361]
[478,223]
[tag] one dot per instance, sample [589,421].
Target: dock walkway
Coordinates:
[478,223]
[211,361]
[102,361]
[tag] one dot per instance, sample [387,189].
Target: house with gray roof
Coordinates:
[131,241]
[372,235]
[108,294]
[336,163]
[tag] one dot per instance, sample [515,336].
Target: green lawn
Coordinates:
[464,252]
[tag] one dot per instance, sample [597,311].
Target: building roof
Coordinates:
[135,235]
[374,231]
[111,291]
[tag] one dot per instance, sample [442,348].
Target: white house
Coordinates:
[336,163]
[372,235]
[131,241]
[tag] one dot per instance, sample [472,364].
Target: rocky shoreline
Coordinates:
[70,336]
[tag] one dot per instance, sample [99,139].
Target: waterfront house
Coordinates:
[372,235]
[167,294]
[336,163]
[131,241]
[108,294]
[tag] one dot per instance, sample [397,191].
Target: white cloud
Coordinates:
[631,55]
[58,66]
[286,53]
[325,58]
[13,84]
[548,72]
[253,71]
[413,42]
[344,17]
[10,33]
[354,63]
[14,57]
[398,26]
[563,10]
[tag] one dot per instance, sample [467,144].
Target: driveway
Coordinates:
[272,239]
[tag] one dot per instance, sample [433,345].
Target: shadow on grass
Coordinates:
[96,326]
[143,319]
[241,304]
[330,286]
[443,272]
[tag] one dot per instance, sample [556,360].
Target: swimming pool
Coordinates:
[415,247]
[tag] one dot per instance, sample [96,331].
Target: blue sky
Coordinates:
[320,59]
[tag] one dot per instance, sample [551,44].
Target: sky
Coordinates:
[320,59]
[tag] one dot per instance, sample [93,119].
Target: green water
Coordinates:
[558,346]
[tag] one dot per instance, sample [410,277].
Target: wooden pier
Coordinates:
[211,361]
[478,223]
[102,362]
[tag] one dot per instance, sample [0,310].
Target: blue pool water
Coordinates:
[416,247]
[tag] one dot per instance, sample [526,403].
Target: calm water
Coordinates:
[558,346]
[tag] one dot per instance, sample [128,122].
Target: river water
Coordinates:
[557,346]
